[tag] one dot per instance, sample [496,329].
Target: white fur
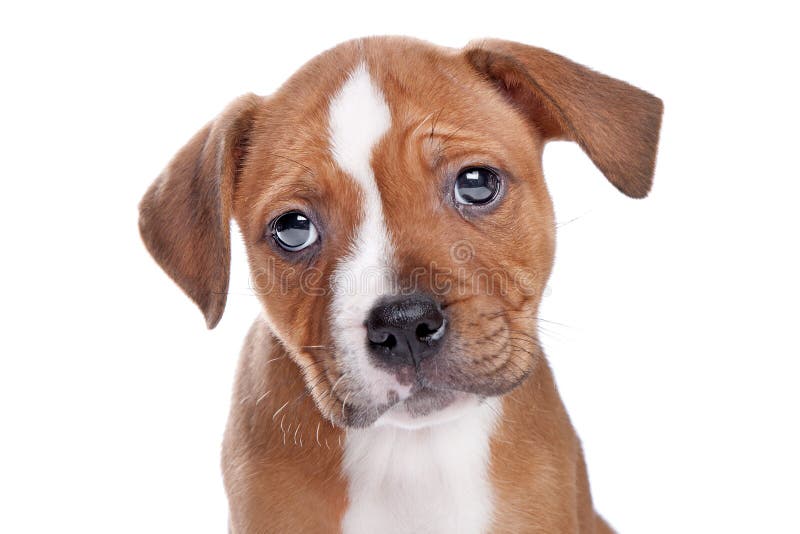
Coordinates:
[358,119]
[399,416]
[429,480]
[430,476]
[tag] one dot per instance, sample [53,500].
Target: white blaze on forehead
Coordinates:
[358,119]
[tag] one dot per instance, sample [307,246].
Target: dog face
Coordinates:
[397,223]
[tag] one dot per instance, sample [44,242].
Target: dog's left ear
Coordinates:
[184,218]
[616,124]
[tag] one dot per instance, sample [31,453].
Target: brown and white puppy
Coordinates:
[400,235]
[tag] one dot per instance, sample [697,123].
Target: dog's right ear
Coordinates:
[184,218]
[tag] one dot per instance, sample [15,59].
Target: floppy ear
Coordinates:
[616,124]
[184,218]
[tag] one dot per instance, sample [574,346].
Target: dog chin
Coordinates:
[428,407]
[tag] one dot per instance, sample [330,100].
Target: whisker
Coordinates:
[304,167]
[262,397]
[310,365]
[279,410]
[435,122]
[452,134]
[344,404]
[333,389]
[275,359]
[510,314]
[501,417]
[316,381]
[309,389]
[561,225]
[423,122]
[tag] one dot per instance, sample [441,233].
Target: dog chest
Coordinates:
[429,480]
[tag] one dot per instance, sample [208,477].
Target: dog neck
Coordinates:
[429,479]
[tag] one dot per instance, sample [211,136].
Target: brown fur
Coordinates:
[495,103]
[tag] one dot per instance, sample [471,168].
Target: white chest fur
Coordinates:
[430,480]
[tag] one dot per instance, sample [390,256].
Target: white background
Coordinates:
[678,356]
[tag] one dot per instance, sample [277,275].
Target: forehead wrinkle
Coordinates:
[288,187]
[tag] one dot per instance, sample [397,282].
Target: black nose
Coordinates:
[405,330]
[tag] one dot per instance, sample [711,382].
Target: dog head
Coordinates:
[392,203]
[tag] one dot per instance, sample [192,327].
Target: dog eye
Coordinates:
[476,185]
[293,231]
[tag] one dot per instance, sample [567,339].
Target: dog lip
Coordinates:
[424,400]
[429,407]
[421,401]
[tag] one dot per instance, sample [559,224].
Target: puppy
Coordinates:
[399,232]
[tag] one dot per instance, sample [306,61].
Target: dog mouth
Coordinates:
[429,407]
[424,401]
[428,400]
[463,371]
[422,406]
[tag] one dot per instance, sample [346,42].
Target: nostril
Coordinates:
[390,342]
[384,339]
[424,331]
[428,332]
